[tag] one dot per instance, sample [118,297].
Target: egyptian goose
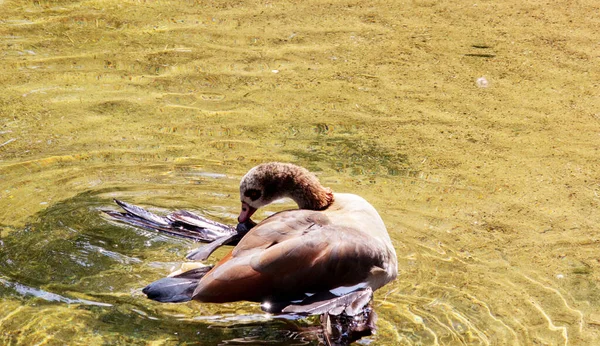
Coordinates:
[335,243]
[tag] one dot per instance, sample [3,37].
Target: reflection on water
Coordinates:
[490,194]
[23,290]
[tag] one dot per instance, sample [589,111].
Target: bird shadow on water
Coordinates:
[70,257]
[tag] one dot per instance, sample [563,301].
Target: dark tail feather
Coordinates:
[325,302]
[211,229]
[176,289]
[143,214]
[204,251]
[180,223]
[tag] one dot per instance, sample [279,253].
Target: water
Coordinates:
[491,195]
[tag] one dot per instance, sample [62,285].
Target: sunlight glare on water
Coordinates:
[472,128]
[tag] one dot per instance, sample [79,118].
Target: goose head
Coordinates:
[268,182]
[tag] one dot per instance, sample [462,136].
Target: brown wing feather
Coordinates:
[287,256]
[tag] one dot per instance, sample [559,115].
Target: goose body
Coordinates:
[335,243]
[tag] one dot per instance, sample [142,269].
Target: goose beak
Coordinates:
[246,212]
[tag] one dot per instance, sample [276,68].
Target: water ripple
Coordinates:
[123,259]
[27,291]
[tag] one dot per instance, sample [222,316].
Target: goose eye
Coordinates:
[253,194]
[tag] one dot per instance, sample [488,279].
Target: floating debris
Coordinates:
[8,142]
[482,82]
[481,55]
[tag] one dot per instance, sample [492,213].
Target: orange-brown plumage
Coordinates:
[333,241]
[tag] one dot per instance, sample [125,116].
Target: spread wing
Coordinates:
[288,255]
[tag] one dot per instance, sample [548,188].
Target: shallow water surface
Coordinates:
[472,127]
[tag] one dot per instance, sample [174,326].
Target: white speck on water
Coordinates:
[8,142]
[482,82]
